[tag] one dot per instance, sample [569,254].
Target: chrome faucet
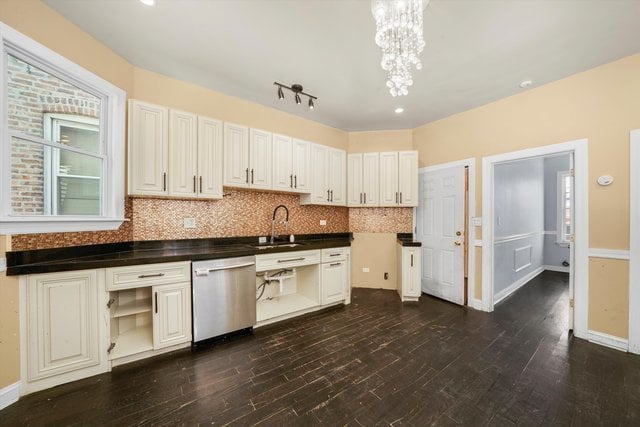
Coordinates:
[273,222]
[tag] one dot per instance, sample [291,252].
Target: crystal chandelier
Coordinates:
[399,35]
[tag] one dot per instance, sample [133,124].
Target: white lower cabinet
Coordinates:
[335,273]
[150,310]
[409,272]
[64,328]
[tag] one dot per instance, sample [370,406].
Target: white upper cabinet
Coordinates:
[354,180]
[148,145]
[236,155]
[209,158]
[399,178]
[337,173]
[301,157]
[363,179]
[183,152]
[389,179]
[408,178]
[282,162]
[173,153]
[260,159]
[328,177]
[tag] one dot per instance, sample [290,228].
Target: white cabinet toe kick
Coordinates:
[294,283]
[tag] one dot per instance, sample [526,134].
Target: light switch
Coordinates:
[323,222]
[189,222]
[365,269]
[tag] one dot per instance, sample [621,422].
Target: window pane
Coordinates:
[52,181]
[27,177]
[32,93]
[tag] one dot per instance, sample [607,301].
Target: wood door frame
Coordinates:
[470,163]
[579,148]
[634,243]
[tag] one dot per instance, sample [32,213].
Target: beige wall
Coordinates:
[9,325]
[380,140]
[602,105]
[376,251]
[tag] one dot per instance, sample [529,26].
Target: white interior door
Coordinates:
[440,228]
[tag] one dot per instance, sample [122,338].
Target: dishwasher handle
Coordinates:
[205,271]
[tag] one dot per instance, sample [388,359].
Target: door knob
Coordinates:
[457,243]
[458,233]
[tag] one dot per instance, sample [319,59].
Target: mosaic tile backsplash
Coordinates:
[239,213]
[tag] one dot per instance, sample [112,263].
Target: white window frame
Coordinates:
[112,131]
[562,238]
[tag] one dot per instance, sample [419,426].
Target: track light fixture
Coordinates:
[297,90]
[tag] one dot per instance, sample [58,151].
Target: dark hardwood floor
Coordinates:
[375,362]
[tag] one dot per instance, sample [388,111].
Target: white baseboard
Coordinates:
[10,394]
[516,285]
[556,268]
[607,340]
[475,303]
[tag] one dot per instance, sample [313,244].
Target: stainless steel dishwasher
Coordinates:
[224,296]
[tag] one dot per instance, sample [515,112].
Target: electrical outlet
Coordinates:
[189,222]
[386,276]
[262,240]
[323,222]
[365,269]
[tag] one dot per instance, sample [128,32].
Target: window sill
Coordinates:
[57,225]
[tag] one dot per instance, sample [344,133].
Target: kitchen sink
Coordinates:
[277,245]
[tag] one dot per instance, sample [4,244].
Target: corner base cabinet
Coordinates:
[64,328]
[409,272]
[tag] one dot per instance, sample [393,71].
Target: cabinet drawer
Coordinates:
[287,260]
[335,254]
[135,276]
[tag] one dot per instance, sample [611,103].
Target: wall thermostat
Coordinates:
[605,180]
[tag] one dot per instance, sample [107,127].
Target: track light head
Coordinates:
[298,100]
[280,93]
[311,106]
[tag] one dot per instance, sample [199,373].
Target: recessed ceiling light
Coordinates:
[399,110]
[148,2]
[525,83]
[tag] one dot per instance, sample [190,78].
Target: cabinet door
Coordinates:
[171,315]
[66,327]
[389,195]
[355,195]
[260,159]
[408,178]
[319,179]
[301,166]
[370,179]
[210,160]
[183,151]
[338,177]
[148,145]
[334,281]
[282,163]
[412,272]
[236,155]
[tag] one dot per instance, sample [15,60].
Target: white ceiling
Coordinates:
[477,51]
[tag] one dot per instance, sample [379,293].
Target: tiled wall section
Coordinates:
[58,240]
[239,213]
[380,220]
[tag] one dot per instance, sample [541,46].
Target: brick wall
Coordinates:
[31,94]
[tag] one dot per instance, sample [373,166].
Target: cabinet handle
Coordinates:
[291,181]
[295,181]
[334,264]
[146,276]
[411,260]
[194,183]
[164,181]
[365,198]
[252,176]
[201,183]
[336,254]
[360,198]
[291,259]
[401,197]
[332,195]
[328,196]
[396,197]
[156,304]
[246,172]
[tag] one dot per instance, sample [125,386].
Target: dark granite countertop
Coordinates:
[406,239]
[157,251]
